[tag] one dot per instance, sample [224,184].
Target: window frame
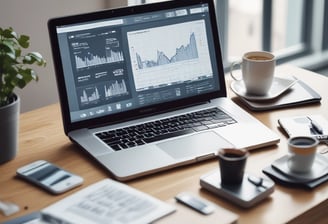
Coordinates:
[325,27]
[284,55]
[308,54]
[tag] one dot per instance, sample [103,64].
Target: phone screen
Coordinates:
[49,176]
[196,203]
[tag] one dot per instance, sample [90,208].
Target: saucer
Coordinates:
[279,86]
[281,178]
[319,168]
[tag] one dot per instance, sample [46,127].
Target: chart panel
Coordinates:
[169,55]
[99,67]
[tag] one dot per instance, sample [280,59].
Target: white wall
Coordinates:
[30,18]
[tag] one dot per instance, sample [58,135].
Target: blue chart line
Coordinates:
[187,52]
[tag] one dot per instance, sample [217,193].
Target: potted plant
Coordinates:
[15,71]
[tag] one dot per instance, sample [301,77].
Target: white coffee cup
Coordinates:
[302,151]
[257,71]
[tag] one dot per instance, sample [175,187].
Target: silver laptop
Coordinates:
[142,88]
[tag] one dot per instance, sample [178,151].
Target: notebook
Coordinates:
[299,94]
[124,75]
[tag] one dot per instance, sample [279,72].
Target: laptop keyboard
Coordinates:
[127,137]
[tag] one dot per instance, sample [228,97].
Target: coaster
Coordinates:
[281,178]
[250,192]
[319,168]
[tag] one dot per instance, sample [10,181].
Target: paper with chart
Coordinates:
[105,202]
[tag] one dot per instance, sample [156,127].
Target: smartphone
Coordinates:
[195,203]
[49,176]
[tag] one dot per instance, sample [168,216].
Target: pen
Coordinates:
[322,137]
[315,126]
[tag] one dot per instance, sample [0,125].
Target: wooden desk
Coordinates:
[42,137]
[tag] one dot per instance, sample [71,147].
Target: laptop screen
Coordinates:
[116,61]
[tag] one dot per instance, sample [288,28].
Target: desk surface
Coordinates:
[42,137]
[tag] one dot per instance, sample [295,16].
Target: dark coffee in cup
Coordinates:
[231,155]
[302,141]
[257,68]
[302,152]
[258,58]
[232,164]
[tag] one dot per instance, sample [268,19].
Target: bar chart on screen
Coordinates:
[95,49]
[92,60]
[115,88]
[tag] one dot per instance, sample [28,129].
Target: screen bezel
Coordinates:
[140,112]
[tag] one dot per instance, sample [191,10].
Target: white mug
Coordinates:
[257,71]
[302,151]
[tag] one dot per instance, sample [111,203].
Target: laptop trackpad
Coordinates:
[194,145]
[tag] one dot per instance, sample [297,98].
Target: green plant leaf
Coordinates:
[23,41]
[7,46]
[27,59]
[18,52]
[24,77]
[21,83]
[9,33]
[34,57]
[41,61]
[14,64]
[34,75]
[11,55]
[9,84]
[9,66]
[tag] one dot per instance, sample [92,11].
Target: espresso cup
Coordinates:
[302,151]
[232,165]
[257,69]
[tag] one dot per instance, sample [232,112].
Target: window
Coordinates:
[325,31]
[244,27]
[287,24]
[295,30]
[276,26]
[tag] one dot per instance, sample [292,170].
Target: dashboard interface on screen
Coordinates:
[130,62]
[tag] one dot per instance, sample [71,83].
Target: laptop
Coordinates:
[142,88]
